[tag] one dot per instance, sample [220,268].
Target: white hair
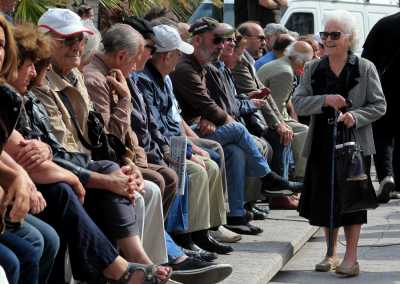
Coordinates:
[122,36]
[292,53]
[347,23]
[92,41]
[273,28]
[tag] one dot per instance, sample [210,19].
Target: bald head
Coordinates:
[250,28]
[299,50]
[255,38]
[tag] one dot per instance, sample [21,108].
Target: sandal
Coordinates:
[149,274]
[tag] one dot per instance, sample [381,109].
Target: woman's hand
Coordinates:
[335,101]
[347,119]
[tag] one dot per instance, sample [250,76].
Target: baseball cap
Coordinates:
[202,25]
[63,22]
[168,39]
[141,25]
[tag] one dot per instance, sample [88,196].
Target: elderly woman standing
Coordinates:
[326,85]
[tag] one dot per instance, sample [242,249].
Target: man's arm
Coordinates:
[116,116]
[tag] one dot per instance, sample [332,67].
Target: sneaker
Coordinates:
[225,235]
[385,188]
[274,185]
[201,254]
[194,271]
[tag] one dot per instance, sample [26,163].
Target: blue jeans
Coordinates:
[242,159]
[237,134]
[283,155]
[9,261]
[90,251]
[173,250]
[50,248]
[27,244]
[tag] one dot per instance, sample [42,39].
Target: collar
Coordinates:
[58,82]
[192,60]
[99,64]
[154,73]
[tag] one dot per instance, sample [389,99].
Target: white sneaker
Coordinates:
[225,235]
[385,187]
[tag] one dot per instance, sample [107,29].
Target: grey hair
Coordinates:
[292,53]
[347,23]
[122,36]
[92,41]
[272,28]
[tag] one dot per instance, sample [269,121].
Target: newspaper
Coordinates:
[178,145]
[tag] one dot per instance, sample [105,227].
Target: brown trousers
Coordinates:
[166,179]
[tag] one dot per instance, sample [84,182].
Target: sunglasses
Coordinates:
[333,35]
[218,40]
[151,47]
[71,40]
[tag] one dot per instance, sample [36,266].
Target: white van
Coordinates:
[305,16]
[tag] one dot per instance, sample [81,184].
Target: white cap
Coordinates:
[63,22]
[168,39]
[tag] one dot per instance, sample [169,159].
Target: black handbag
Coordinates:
[103,146]
[354,184]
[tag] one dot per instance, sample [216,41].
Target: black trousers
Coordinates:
[387,144]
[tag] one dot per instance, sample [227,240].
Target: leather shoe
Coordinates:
[201,254]
[185,241]
[348,271]
[225,235]
[284,203]
[205,241]
[258,214]
[327,264]
[274,185]
[241,226]
[385,188]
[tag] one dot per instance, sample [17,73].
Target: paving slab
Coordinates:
[378,253]
[257,259]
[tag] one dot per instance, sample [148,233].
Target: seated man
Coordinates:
[205,183]
[278,75]
[214,123]
[107,87]
[114,185]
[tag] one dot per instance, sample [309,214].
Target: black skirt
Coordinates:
[315,199]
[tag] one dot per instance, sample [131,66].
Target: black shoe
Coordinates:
[241,226]
[185,241]
[201,254]
[194,271]
[258,214]
[205,241]
[274,185]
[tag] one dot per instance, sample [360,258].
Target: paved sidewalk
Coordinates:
[378,264]
[257,259]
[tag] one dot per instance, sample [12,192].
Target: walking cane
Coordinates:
[333,122]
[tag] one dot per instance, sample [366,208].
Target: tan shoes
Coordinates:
[348,271]
[327,264]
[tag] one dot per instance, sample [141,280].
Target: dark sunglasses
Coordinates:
[218,40]
[151,47]
[333,35]
[71,40]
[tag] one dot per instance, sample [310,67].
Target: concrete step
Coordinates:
[256,259]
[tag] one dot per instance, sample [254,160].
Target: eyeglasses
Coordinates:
[333,35]
[71,40]
[218,40]
[151,47]
[259,37]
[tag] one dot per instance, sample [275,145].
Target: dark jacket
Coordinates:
[34,123]
[145,126]
[191,92]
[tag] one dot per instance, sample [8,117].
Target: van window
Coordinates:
[207,10]
[301,22]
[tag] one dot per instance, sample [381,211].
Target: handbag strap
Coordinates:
[71,111]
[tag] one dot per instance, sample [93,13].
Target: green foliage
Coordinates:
[30,11]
